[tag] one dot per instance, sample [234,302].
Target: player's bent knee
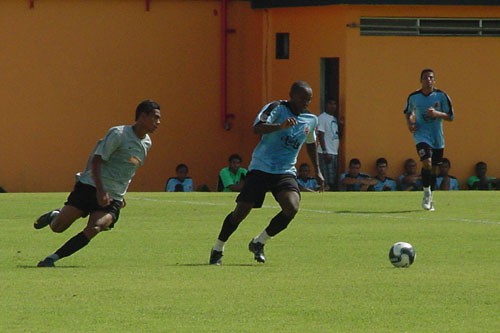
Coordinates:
[59,226]
[290,209]
[290,212]
[91,232]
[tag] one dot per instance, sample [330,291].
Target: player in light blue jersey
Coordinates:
[384,183]
[445,181]
[284,127]
[425,111]
[100,189]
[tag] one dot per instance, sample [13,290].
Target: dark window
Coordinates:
[282,45]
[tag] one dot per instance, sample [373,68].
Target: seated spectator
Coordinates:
[410,180]
[180,183]
[444,181]
[480,181]
[354,180]
[305,181]
[232,177]
[384,183]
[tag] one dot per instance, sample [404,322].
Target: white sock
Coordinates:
[427,190]
[219,245]
[262,238]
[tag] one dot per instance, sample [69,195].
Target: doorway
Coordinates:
[330,87]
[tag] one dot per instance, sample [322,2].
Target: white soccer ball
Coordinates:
[402,254]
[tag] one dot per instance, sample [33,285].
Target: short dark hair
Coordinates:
[234,157]
[408,161]
[354,161]
[180,166]
[426,70]
[381,160]
[146,106]
[478,164]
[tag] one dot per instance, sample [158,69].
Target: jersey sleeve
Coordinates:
[321,124]
[189,187]
[447,106]
[311,136]
[170,187]
[408,107]
[108,144]
[268,114]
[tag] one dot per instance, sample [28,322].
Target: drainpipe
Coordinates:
[225,116]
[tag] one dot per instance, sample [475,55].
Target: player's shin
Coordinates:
[229,226]
[73,245]
[278,224]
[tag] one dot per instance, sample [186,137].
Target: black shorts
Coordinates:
[258,183]
[84,198]
[425,151]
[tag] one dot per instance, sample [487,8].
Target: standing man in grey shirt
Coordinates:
[100,189]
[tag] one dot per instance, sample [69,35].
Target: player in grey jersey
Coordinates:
[100,189]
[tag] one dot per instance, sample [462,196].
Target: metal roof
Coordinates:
[298,3]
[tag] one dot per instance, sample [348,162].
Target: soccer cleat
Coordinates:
[258,250]
[45,219]
[428,203]
[47,262]
[215,257]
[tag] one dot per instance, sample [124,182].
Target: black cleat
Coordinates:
[47,262]
[215,257]
[258,250]
[45,219]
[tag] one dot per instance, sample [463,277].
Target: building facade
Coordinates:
[73,69]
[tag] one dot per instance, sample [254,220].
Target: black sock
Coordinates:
[228,227]
[426,177]
[278,224]
[71,246]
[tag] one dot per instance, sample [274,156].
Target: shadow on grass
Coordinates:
[58,267]
[374,212]
[223,265]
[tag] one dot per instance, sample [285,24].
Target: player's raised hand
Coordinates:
[431,112]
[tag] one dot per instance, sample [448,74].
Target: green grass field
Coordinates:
[328,272]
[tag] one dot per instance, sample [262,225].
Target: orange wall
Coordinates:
[466,68]
[378,73]
[72,69]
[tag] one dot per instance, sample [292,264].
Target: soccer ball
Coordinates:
[402,254]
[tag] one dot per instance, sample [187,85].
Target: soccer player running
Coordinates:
[100,189]
[425,111]
[284,126]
